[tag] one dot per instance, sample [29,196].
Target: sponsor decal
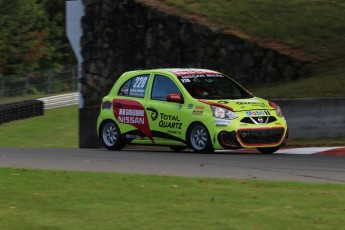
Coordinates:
[106,105]
[131,116]
[222,122]
[131,112]
[176,132]
[190,106]
[197,112]
[258,113]
[132,137]
[154,115]
[254,103]
[199,107]
[223,102]
[169,121]
[221,126]
[179,107]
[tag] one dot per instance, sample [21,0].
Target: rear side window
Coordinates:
[134,87]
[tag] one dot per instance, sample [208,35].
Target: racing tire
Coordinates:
[269,150]
[177,148]
[111,136]
[199,139]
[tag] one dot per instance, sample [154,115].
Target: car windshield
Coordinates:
[213,86]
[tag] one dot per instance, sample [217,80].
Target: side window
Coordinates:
[134,87]
[162,87]
[124,90]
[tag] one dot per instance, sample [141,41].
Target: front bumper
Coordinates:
[253,138]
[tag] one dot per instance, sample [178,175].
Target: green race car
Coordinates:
[188,108]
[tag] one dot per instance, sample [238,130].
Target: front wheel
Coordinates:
[269,150]
[111,136]
[199,139]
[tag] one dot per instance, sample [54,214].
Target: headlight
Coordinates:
[223,113]
[279,111]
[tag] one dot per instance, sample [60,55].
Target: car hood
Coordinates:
[254,103]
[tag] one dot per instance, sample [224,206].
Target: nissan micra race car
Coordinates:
[188,108]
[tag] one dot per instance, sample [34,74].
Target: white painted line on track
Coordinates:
[305,151]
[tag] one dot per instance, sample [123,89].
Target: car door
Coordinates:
[129,110]
[165,117]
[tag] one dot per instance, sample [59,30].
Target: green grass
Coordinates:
[40,199]
[325,83]
[58,128]
[315,27]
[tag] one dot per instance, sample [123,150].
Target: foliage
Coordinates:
[32,35]
[22,35]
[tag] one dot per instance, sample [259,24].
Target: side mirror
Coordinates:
[175,97]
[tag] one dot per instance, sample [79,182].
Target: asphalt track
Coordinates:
[161,161]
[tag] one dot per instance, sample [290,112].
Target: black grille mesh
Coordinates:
[260,136]
[265,120]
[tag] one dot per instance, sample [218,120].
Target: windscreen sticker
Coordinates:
[132,113]
[194,72]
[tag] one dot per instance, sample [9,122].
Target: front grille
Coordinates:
[258,120]
[261,136]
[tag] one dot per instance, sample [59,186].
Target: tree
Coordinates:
[60,52]
[23,30]
[32,36]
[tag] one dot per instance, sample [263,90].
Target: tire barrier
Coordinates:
[21,110]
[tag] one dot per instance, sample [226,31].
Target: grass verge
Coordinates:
[41,199]
[58,128]
[315,26]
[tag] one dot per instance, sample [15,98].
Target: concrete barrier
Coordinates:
[314,117]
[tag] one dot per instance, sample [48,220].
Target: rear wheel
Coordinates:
[111,136]
[199,139]
[269,150]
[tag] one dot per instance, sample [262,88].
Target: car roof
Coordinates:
[175,71]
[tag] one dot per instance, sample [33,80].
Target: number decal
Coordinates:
[184,80]
[140,82]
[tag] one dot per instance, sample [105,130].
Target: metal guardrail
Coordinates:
[60,100]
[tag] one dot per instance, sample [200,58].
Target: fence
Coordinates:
[39,83]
